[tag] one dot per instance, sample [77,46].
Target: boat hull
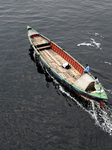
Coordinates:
[70,86]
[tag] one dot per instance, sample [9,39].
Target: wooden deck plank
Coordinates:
[71,80]
[39,40]
[56,61]
[53,57]
[44,53]
[58,57]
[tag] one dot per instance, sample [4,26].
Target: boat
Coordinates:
[65,68]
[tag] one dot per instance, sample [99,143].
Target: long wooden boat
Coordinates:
[64,67]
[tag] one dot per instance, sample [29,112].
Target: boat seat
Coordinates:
[41,45]
[44,47]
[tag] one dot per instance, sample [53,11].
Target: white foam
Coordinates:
[85,44]
[108,63]
[102,116]
[95,43]
[92,43]
[96,34]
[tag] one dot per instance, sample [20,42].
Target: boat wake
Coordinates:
[101,116]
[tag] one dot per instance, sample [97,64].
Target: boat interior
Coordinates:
[57,58]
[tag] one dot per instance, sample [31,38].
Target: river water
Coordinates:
[39,115]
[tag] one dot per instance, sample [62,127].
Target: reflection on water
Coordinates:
[102,116]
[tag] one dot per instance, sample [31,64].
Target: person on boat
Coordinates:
[97,84]
[87,69]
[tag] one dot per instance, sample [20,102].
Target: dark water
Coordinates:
[40,115]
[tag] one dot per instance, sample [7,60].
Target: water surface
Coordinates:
[36,114]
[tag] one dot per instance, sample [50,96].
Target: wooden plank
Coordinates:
[44,47]
[50,61]
[35,42]
[46,56]
[61,69]
[57,57]
[71,80]
[53,58]
[39,40]
[63,75]
[74,73]
[56,61]
[60,59]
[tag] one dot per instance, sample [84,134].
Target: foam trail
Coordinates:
[102,116]
[63,91]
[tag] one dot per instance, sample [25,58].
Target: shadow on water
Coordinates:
[102,116]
